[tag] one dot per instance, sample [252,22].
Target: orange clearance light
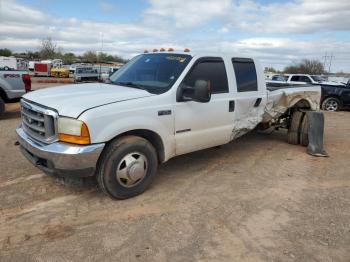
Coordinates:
[187,50]
[145,51]
[162,50]
[155,50]
[170,49]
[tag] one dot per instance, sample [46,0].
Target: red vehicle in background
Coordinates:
[42,69]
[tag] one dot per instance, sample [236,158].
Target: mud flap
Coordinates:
[315,134]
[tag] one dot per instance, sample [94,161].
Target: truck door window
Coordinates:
[245,74]
[212,70]
[305,79]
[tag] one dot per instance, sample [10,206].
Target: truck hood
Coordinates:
[72,100]
[332,83]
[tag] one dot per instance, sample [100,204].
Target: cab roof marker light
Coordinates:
[186,50]
[155,50]
[162,49]
[170,49]
[145,51]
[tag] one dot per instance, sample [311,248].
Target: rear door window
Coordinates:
[245,72]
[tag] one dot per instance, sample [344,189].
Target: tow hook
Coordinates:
[16,143]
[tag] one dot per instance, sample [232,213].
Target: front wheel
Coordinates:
[2,106]
[331,104]
[127,167]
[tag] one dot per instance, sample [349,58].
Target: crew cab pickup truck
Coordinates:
[13,84]
[157,106]
[335,97]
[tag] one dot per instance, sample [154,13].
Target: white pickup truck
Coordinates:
[301,79]
[157,106]
[13,84]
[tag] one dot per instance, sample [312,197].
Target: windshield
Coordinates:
[317,78]
[155,73]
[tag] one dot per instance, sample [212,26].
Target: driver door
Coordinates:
[204,125]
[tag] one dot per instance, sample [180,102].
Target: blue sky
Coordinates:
[278,32]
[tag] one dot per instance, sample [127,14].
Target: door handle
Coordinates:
[231,106]
[257,102]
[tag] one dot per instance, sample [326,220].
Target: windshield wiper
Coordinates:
[131,84]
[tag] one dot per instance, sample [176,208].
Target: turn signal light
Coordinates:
[83,139]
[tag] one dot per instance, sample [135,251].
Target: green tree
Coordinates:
[5,52]
[68,58]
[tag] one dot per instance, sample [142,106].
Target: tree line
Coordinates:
[50,50]
[305,66]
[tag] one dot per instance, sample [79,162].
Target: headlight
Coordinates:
[73,131]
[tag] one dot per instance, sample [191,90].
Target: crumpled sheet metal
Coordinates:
[280,100]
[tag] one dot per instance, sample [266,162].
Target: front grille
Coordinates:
[39,122]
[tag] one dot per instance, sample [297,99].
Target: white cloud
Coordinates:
[187,13]
[107,7]
[300,16]
[206,25]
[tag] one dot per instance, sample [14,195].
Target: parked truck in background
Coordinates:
[13,84]
[8,62]
[335,97]
[156,107]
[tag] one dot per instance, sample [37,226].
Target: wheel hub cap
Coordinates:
[136,170]
[132,169]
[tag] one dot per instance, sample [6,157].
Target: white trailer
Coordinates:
[8,62]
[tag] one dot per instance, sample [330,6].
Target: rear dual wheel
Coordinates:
[298,129]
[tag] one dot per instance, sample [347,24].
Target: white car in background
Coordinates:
[302,79]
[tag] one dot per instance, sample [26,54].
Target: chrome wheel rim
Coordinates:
[132,169]
[331,105]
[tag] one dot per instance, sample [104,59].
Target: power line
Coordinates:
[327,62]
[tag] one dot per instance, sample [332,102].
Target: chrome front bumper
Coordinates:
[62,159]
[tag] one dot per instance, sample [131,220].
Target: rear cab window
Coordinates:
[245,72]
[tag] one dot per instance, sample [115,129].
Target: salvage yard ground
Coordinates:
[256,199]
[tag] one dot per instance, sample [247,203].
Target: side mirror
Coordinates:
[199,93]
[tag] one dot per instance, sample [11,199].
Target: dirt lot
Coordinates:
[256,199]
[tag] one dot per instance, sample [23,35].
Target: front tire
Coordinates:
[2,106]
[127,167]
[331,104]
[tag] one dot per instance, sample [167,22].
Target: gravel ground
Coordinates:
[255,199]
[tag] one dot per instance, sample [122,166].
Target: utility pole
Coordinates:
[330,63]
[327,62]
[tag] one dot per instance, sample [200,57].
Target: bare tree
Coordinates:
[48,48]
[90,56]
[306,66]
